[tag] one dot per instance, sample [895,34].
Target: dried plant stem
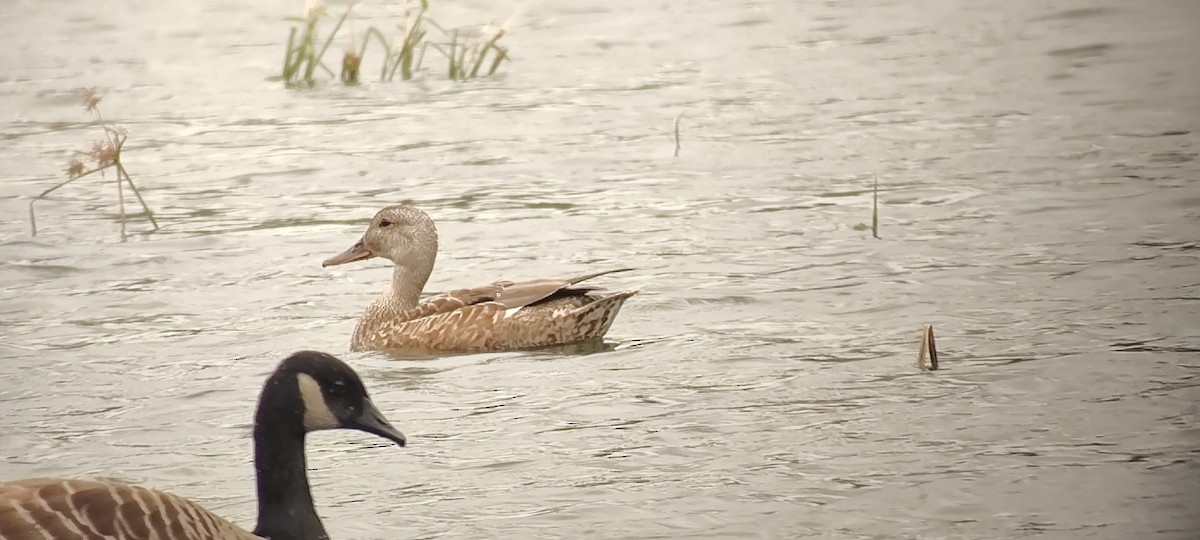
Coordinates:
[146,208]
[928,347]
[121,203]
[875,209]
[32,217]
[677,134]
[122,176]
[107,154]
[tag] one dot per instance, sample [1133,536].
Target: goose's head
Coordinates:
[401,234]
[330,395]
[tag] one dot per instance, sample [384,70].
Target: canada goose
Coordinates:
[505,315]
[309,391]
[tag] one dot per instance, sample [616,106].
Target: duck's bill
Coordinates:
[373,422]
[357,252]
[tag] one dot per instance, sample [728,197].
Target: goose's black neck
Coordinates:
[285,505]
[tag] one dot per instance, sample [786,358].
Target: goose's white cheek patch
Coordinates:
[317,415]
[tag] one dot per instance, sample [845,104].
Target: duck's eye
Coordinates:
[384,223]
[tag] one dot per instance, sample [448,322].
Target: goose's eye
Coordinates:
[338,388]
[384,223]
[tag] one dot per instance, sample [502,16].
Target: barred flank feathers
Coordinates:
[56,509]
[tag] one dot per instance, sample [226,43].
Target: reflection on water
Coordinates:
[1038,205]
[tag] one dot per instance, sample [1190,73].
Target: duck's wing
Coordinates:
[504,294]
[67,509]
[524,293]
[466,319]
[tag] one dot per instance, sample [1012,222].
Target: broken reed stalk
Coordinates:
[501,55]
[107,154]
[677,134]
[287,55]
[328,41]
[875,209]
[351,61]
[298,53]
[490,44]
[375,33]
[466,56]
[404,57]
[928,347]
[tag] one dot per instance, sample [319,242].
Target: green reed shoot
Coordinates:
[105,154]
[467,56]
[404,56]
[303,55]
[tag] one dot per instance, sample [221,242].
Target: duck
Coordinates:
[500,316]
[308,391]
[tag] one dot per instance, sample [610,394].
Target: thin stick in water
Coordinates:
[875,209]
[121,202]
[677,134]
[146,208]
[76,175]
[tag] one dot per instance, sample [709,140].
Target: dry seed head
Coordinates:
[91,98]
[74,169]
[104,153]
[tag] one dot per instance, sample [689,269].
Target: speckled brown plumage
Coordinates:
[504,315]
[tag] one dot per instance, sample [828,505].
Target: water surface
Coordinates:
[1038,205]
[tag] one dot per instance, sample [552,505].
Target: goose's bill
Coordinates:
[373,422]
[357,252]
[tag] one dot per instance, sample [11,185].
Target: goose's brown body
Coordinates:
[58,509]
[504,315]
[309,391]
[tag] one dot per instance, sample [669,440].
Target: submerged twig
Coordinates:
[677,134]
[137,193]
[928,346]
[875,209]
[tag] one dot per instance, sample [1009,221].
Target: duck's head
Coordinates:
[330,395]
[401,234]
